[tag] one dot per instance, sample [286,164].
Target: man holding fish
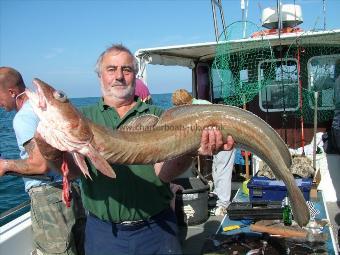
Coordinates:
[56,229]
[126,185]
[131,214]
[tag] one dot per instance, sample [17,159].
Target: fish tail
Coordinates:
[298,203]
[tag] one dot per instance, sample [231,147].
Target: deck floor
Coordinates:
[193,237]
[334,217]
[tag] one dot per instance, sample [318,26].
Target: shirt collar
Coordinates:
[140,106]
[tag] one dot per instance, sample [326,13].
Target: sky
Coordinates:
[60,41]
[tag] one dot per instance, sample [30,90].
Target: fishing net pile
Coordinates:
[242,71]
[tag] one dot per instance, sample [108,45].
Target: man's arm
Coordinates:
[211,143]
[34,164]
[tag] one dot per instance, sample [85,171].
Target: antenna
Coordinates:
[324,13]
[260,9]
[244,8]
[218,3]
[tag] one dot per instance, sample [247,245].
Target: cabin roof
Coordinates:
[187,55]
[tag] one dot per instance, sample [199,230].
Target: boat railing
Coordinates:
[8,213]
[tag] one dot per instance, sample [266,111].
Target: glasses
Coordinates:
[126,70]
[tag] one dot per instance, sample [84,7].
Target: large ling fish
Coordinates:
[177,132]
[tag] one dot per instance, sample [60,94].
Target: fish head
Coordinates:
[63,127]
[51,104]
[61,124]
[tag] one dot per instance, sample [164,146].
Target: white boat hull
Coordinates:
[16,236]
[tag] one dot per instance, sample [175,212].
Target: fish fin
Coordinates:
[139,123]
[173,112]
[100,163]
[80,161]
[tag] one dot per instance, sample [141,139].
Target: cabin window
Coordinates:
[320,70]
[244,76]
[279,85]
[223,84]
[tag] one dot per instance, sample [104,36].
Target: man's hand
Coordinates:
[212,142]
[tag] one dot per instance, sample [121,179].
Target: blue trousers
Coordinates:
[157,235]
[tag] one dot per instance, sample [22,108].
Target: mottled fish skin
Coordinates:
[179,131]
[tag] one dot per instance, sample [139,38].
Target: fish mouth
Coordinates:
[37,96]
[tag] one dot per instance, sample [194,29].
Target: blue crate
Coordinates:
[265,189]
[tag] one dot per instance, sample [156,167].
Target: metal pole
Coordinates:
[14,209]
[284,115]
[222,18]
[246,157]
[30,176]
[301,103]
[214,18]
[324,14]
[243,18]
[280,25]
[315,126]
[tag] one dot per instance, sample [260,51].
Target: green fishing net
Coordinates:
[248,67]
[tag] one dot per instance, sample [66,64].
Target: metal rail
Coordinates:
[31,176]
[14,209]
[218,3]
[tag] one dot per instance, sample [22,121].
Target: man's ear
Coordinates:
[12,92]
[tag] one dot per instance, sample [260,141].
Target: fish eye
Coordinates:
[60,95]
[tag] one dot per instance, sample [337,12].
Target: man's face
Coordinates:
[7,101]
[117,75]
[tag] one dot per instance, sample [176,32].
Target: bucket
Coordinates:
[191,204]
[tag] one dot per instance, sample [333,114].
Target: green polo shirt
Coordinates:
[136,193]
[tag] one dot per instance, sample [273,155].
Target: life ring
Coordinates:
[275,31]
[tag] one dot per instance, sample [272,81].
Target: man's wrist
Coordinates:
[6,165]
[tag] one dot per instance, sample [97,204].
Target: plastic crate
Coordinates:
[265,189]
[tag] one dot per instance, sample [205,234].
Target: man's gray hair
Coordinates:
[119,48]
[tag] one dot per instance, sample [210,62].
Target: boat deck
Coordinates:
[193,237]
[334,217]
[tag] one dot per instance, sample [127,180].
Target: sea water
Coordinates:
[12,191]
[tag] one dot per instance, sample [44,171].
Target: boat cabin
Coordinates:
[268,72]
